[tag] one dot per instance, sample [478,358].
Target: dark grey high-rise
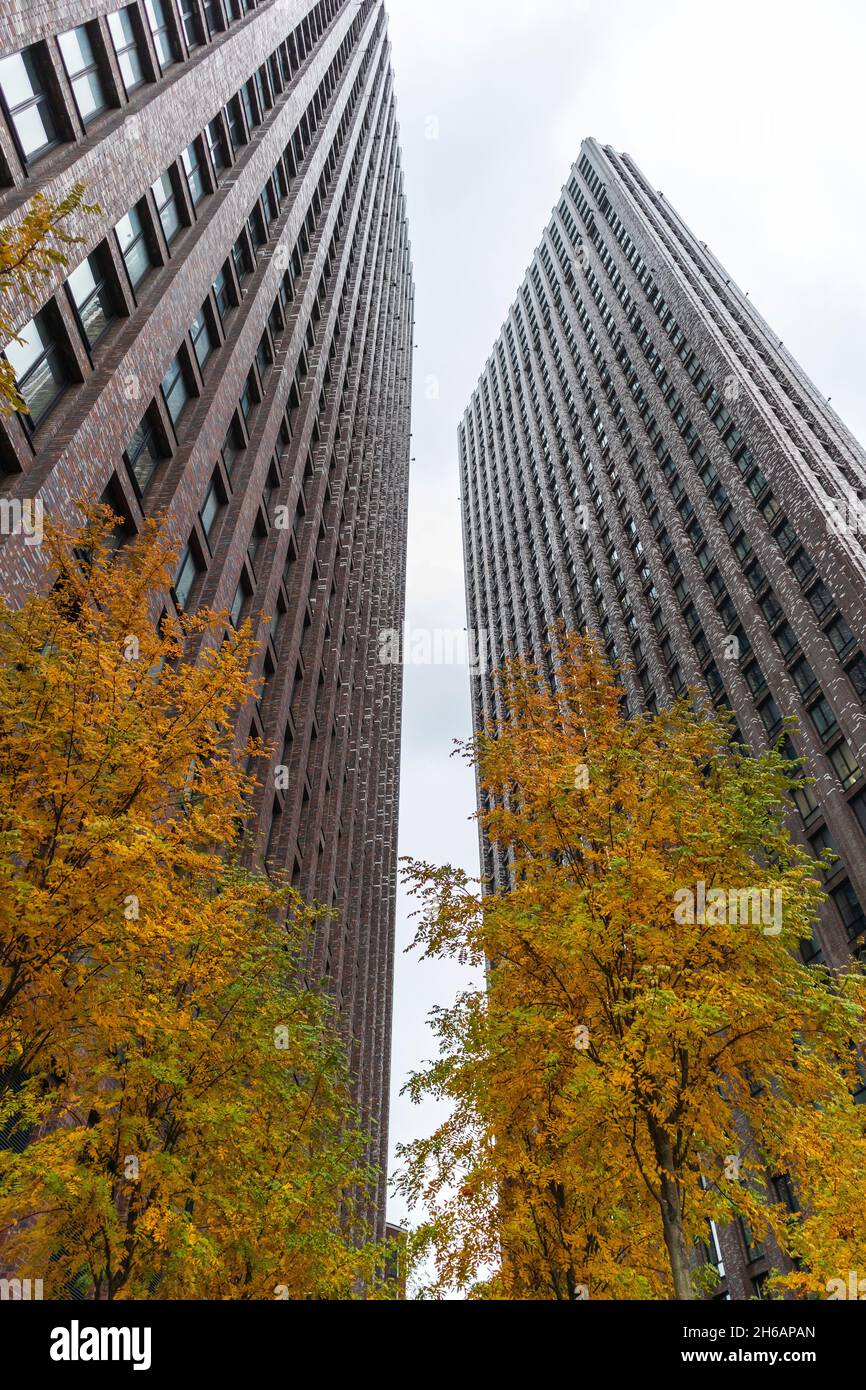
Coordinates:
[643,457]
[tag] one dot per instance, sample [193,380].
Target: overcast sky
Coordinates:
[749,117]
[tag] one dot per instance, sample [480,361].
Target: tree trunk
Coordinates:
[672,1219]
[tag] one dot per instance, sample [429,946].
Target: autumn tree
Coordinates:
[29,250]
[648,1048]
[178,1091]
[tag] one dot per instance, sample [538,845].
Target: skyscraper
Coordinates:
[230,346]
[643,458]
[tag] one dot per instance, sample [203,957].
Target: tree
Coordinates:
[180,1092]
[648,1048]
[29,250]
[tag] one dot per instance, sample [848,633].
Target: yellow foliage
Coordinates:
[646,1016]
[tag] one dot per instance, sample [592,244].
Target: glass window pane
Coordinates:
[28,103]
[131,70]
[88,95]
[96,316]
[209,510]
[133,246]
[82,283]
[42,388]
[22,355]
[121,29]
[142,455]
[175,390]
[127,229]
[80,63]
[34,128]
[18,79]
[38,369]
[92,299]
[186,578]
[126,48]
[76,50]
[194,177]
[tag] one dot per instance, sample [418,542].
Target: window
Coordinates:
[132,240]
[28,104]
[188,572]
[264,356]
[175,390]
[235,123]
[217,147]
[771,608]
[211,508]
[821,599]
[222,293]
[804,677]
[120,26]
[192,168]
[810,951]
[83,73]
[189,23]
[771,715]
[246,96]
[845,765]
[754,1248]
[239,604]
[256,226]
[273,831]
[857,676]
[786,640]
[241,259]
[162,39]
[113,497]
[823,718]
[92,298]
[232,448]
[804,797]
[39,369]
[850,911]
[202,341]
[841,636]
[142,455]
[821,842]
[802,565]
[166,206]
[259,533]
[213,15]
[248,399]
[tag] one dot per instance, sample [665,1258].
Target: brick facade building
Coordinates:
[231,346]
[644,458]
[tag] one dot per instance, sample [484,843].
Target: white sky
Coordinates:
[749,116]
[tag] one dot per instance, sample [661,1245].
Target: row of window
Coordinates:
[836,629]
[784,378]
[30,88]
[40,364]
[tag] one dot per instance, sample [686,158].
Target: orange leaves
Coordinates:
[176,1149]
